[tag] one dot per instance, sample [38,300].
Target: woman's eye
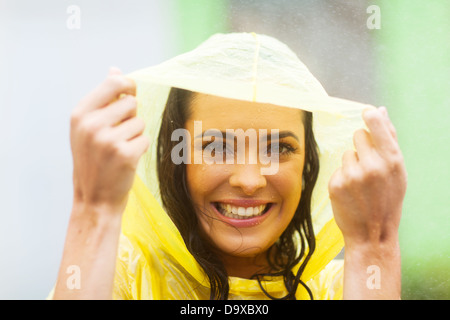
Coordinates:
[217,149]
[225,149]
[280,149]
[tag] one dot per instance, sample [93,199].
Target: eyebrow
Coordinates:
[285,134]
[281,134]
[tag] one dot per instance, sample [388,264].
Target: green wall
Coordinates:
[196,20]
[413,52]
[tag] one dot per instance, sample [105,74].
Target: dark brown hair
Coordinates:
[284,254]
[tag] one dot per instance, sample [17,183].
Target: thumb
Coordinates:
[114,71]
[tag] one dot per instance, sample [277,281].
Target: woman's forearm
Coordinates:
[107,141]
[372,272]
[88,263]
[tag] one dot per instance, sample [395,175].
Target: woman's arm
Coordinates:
[372,272]
[88,263]
[107,142]
[367,195]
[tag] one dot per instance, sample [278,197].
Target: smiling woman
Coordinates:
[145,225]
[242,217]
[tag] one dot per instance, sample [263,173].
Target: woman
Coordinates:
[235,163]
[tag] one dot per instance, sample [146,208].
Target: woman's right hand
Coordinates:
[107,142]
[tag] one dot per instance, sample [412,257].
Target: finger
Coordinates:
[109,90]
[118,111]
[336,184]
[114,71]
[349,158]
[363,145]
[137,147]
[379,132]
[129,129]
[389,123]
[349,162]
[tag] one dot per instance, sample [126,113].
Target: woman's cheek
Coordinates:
[203,179]
[288,180]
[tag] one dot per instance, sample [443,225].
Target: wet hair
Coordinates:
[296,244]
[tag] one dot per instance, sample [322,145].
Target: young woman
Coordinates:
[232,199]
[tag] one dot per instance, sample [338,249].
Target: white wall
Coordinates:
[45,68]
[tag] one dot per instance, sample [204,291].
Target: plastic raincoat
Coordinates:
[153,261]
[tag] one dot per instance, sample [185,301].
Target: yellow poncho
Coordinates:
[153,261]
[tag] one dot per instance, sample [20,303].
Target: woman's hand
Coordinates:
[367,191]
[367,195]
[107,142]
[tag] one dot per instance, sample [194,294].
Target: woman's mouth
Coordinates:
[243,213]
[237,212]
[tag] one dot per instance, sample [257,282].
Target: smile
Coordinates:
[239,212]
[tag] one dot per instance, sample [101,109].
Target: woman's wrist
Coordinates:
[91,247]
[94,224]
[370,254]
[378,246]
[372,270]
[98,213]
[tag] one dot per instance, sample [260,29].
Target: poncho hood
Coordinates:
[242,66]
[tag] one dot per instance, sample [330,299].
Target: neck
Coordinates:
[245,266]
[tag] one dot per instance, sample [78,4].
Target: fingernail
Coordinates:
[384,110]
[114,70]
[368,111]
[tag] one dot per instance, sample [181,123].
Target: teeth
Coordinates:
[240,212]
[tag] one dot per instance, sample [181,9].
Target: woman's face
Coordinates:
[242,210]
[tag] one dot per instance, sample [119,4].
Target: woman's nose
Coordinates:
[248,177]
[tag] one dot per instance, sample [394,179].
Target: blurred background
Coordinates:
[52,52]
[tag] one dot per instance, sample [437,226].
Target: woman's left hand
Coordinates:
[367,195]
[367,191]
